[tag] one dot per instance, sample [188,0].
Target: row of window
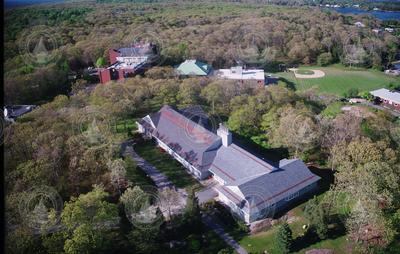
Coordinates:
[292,196]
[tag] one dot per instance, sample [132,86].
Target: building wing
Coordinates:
[190,140]
[386,94]
[283,183]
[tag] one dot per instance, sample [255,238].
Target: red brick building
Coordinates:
[127,62]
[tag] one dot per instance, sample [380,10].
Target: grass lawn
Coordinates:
[338,245]
[126,125]
[175,172]
[260,242]
[339,79]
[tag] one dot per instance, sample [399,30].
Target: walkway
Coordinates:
[212,223]
[159,179]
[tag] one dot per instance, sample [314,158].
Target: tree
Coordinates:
[78,85]
[54,243]
[192,216]
[89,220]
[351,92]
[166,93]
[297,130]
[355,55]
[243,120]
[21,240]
[101,62]
[118,173]
[189,92]
[367,95]
[368,175]
[169,197]
[212,93]
[324,59]
[315,213]
[145,239]
[133,199]
[284,238]
[158,72]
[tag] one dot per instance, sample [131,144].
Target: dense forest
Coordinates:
[220,34]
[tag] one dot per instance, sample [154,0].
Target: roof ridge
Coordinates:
[195,125]
[252,156]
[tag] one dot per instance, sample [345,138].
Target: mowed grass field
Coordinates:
[339,79]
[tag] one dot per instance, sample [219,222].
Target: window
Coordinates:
[292,196]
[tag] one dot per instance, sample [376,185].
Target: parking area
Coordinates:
[206,194]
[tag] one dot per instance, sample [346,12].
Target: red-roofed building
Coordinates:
[127,62]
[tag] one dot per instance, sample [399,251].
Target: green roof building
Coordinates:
[194,68]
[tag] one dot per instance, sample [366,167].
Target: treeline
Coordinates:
[217,33]
[364,4]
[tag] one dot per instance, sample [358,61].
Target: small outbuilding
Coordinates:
[194,68]
[387,98]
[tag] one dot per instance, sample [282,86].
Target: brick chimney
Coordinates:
[225,135]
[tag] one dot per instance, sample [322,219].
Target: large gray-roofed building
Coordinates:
[250,186]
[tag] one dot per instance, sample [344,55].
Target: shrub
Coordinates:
[324,59]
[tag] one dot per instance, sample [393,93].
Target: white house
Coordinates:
[389,29]
[241,74]
[359,24]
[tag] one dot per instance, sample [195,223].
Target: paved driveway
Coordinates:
[159,179]
[206,195]
[162,181]
[213,223]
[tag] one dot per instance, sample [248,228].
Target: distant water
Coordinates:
[383,15]
[18,3]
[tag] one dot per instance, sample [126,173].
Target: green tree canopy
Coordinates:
[101,62]
[284,238]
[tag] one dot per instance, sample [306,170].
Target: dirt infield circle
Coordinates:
[316,74]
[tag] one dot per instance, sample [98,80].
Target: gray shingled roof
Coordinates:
[137,51]
[233,163]
[263,190]
[187,138]
[292,176]
[259,182]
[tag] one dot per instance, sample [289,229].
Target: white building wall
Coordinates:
[132,60]
[234,208]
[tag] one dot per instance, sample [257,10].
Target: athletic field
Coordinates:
[338,79]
